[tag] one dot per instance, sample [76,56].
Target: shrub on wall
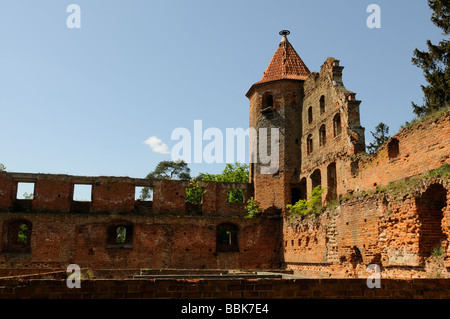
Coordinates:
[312,205]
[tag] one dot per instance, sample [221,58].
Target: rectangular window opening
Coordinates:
[82,193]
[194,195]
[235,195]
[143,193]
[25,190]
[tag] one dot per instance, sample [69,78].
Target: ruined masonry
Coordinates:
[391,209]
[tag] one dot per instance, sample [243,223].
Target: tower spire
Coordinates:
[285,63]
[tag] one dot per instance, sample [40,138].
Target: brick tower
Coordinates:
[276,103]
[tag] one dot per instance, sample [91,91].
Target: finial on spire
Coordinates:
[284,33]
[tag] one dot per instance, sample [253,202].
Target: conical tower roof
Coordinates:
[285,63]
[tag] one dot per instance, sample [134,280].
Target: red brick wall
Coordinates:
[390,230]
[422,148]
[165,236]
[225,288]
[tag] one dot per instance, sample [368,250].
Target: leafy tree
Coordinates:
[167,170]
[380,137]
[312,205]
[232,173]
[253,208]
[194,193]
[2,168]
[171,170]
[435,63]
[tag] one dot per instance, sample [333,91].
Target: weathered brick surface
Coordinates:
[226,288]
[395,232]
[164,237]
[421,148]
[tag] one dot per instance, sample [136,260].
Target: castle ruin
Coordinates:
[391,209]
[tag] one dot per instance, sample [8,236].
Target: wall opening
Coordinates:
[120,234]
[331,182]
[322,135]
[354,168]
[18,236]
[82,198]
[309,144]
[267,103]
[322,104]
[82,192]
[194,199]
[337,126]
[316,179]
[295,195]
[143,193]
[310,115]
[143,199]
[235,195]
[25,191]
[393,148]
[303,189]
[24,197]
[227,238]
[356,256]
[430,207]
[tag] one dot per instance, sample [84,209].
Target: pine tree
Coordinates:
[380,136]
[435,63]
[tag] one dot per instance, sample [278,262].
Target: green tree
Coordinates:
[194,193]
[2,168]
[167,170]
[312,205]
[232,173]
[381,135]
[435,63]
[253,208]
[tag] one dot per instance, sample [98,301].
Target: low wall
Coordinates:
[225,288]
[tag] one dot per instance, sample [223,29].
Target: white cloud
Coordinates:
[157,145]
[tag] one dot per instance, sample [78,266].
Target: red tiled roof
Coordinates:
[285,64]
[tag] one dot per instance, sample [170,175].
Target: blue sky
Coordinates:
[83,101]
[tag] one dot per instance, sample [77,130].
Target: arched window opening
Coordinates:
[316,178]
[430,210]
[331,182]
[322,104]
[303,192]
[227,238]
[322,135]
[309,144]
[267,103]
[337,126]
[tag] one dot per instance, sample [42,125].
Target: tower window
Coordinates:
[322,104]
[267,103]
[310,115]
[337,127]
[322,135]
